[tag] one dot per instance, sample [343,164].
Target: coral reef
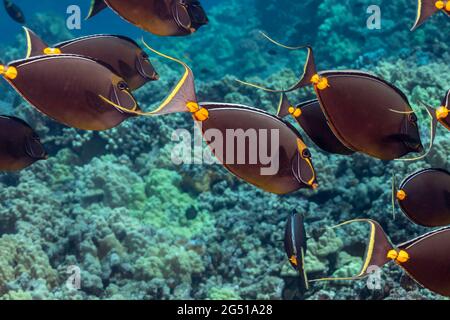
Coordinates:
[140,227]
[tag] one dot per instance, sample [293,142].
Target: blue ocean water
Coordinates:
[114,211]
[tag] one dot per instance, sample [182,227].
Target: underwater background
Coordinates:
[140,227]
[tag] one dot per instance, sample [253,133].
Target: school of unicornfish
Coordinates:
[96,76]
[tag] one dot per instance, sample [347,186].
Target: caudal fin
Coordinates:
[96,7]
[284,106]
[377,250]
[425,9]
[309,69]
[182,98]
[35,45]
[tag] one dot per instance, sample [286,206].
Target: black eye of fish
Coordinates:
[412,117]
[122,86]
[144,55]
[306,153]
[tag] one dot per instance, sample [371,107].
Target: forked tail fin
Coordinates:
[284,106]
[35,45]
[309,69]
[425,9]
[181,99]
[96,7]
[377,250]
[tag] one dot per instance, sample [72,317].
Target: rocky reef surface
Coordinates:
[140,227]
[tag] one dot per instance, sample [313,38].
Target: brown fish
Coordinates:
[310,117]
[122,54]
[67,88]
[425,259]
[295,246]
[160,17]
[367,114]
[295,168]
[14,11]
[424,197]
[20,146]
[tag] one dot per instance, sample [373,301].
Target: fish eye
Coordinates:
[306,154]
[144,55]
[413,117]
[122,85]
